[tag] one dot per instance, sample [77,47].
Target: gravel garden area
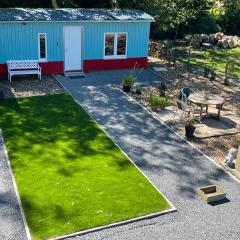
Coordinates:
[26,86]
[178,77]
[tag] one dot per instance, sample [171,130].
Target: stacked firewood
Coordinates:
[153,49]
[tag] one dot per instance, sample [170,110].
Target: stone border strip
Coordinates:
[117,224]
[178,134]
[91,230]
[15,188]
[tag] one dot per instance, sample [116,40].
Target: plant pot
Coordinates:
[126,88]
[189,131]
[138,92]
[162,108]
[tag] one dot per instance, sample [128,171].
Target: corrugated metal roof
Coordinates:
[72,14]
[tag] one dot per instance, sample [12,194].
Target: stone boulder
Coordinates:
[225,43]
[211,38]
[218,36]
[205,38]
[230,43]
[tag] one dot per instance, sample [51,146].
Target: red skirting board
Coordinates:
[57,67]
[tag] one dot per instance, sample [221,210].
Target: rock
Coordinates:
[197,38]
[188,38]
[218,36]
[230,158]
[238,43]
[235,41]
[225,43]
[211,38]
[205,38]
[231,43]
[219,43]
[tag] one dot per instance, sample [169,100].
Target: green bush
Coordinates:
[129,80]
[156,100]
[206,24]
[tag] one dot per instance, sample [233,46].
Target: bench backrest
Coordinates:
[22,64]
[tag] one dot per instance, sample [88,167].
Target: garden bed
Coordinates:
[28,86]
[178,77]
[69,174]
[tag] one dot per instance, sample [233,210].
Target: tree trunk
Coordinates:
[54,3]
[176,35]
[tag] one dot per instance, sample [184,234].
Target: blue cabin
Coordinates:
[69,40]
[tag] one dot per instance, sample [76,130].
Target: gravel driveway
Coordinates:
[170,163]
[11,222]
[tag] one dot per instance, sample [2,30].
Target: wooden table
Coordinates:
[205,99]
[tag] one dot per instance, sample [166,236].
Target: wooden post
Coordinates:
[226,80]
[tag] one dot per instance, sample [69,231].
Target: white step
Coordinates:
[74,74]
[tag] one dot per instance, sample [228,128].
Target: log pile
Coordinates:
[153,49]
[218,39]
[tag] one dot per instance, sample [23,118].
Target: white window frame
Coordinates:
[115,56]
[39,53]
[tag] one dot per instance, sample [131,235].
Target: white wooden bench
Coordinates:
[22,67]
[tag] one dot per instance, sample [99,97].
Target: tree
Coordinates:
[170,14]
[231,16]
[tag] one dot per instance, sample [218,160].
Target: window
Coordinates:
[42,46]
[115,45]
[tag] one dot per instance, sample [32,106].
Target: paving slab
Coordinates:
[174,166]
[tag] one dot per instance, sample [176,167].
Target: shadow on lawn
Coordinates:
[40,125]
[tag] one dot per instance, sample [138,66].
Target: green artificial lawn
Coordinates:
[69,174]
[216,60]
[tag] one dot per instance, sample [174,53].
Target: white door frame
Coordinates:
[64,52]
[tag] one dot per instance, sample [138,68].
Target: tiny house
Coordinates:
[72,40]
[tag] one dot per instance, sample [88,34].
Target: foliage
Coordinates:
[69,174]
[231,18]
[156,100]
[171,13]
[203,24]
[129,80]
[190,123]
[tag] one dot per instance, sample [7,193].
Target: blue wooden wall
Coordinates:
[20,41]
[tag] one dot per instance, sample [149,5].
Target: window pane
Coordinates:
[42,41]
[109,44]
[121,44]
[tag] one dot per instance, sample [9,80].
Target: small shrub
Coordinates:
[190,123]
[129,80]
[156,100]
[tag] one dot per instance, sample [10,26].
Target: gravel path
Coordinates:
[170,163]
[11,222]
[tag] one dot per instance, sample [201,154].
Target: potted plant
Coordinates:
[128,82]
[190,128]
[156,101]
[162,89]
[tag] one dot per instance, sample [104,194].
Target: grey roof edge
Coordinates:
[72,15]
